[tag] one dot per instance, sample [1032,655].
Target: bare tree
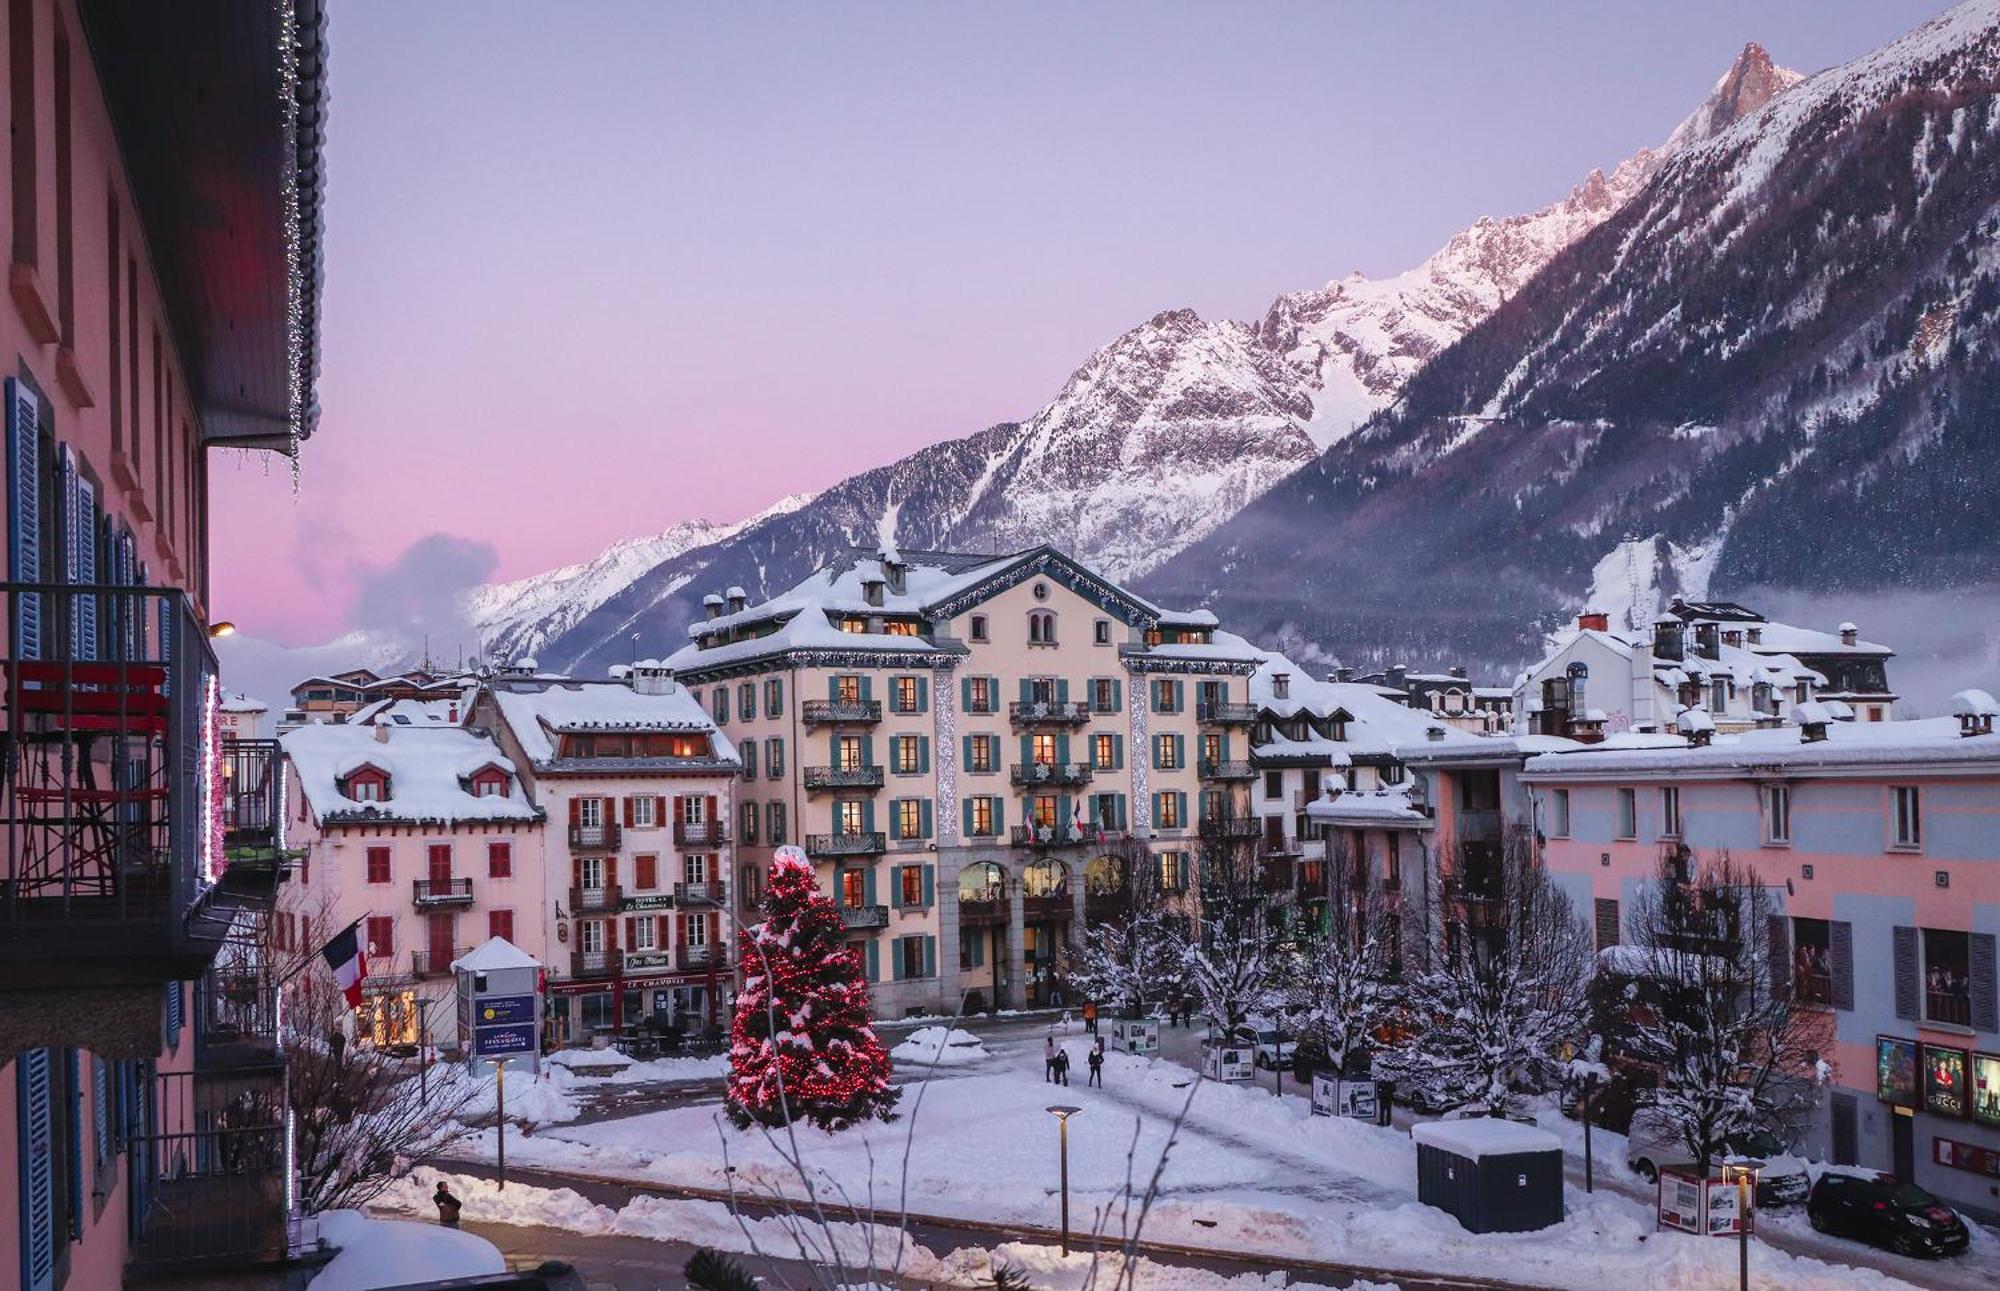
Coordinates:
[1505,981]
[1712,1006]
[1232,950]
[1337,987]
[1135,955]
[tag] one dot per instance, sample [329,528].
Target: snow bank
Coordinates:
[541,1100]
[608,1066]
[395,1252]
[941,1046]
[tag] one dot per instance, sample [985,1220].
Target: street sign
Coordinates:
[496,1009]
[511,1037]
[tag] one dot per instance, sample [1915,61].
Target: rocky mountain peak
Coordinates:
[1751,81]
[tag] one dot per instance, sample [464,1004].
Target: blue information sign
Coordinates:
[512,1037]
[499,1009]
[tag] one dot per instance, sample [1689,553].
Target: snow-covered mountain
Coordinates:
[1774,366]
[1160,436]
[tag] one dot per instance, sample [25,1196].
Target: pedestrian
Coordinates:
[1096,1067]
[1062,1066]
[448,1205]
[1049,1060]
[1090,1017]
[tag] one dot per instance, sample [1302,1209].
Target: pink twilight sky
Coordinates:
[593,269]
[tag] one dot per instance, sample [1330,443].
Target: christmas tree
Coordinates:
[801,1048]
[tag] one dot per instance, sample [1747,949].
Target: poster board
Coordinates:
[1335,1096]
[1140,1036]
[1235,1063]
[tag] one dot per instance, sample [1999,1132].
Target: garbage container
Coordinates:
[1494,1175]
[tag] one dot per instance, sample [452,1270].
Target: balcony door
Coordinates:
[439,936]
[440,868]
[694,869]
[693,811]
[590,873]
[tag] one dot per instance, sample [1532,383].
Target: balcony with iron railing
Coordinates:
[595,963]
[1047,903]
[593,900]
[698,957]
[109,851]
[865,843]
[1231,828]
[206,1175]
[862,777]
[1225,714]
[841,712]
[1048,712]
[864,916]
[236,1017]
[1027,775]
[253,802]
[1225,769]
[1072,834]
[595,838]
[712,892]
[433,894]
[983,907]
[700,833]
[436,961]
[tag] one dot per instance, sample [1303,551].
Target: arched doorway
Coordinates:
[1105,895]
[983,912]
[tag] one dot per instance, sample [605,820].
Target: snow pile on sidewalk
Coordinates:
[393,1252]
[538,1100]
[608,1066]
[942,1047]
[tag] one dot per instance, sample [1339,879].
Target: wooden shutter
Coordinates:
[1840,946]
[174,1016]
[1779,946]
[575,812]
[965,817]
[925,825]
[965,694]
[24,513]
[628,813]
[1908,975]
[868,886]
[1985,1001]
[35,1081]
[930,956]
[86,527]
[1607,922]
[72,1104]
[873,958]
[930,886]
[923,694]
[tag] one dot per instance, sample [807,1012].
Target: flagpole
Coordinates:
[308,961]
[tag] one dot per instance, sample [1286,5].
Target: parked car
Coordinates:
[1263,1036]
[1882,1210]
[1652,1142]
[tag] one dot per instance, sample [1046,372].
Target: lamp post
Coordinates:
[1743,1173]
[1062,1113]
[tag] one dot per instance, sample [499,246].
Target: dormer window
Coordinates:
[855,626]
[367,783]
[491,782]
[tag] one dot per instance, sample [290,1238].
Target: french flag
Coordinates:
[343,955]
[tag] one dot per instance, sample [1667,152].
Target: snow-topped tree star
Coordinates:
[801,1047]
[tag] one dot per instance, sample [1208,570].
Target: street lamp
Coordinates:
[1743,1173]
[1062,1113]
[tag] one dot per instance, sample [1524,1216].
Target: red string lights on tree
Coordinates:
[801,1047]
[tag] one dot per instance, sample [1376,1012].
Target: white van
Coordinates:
[1652,1142]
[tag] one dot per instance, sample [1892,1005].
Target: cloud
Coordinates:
[422,589]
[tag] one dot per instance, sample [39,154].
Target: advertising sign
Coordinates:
[1229,1062]
[1136,1035]
[1896,1070]
[495,1009]
[1680,1201]
[1333,1096]
[1986,1088]
[497,1041]
[1725,1209]
[1966,1156]
[1944,1080]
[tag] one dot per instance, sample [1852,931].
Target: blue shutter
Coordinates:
[930,882]
[1027,690]
[1000,816]
[100,1111]
[88,524]
[924,754]
[36,1124]
[1180,696]
[965,694]
[1180,749]
[69,505]
[1117,694]
[833,687]
[1120,801]
[73,1137]
[1156,809]
[868,886]
[1062,690]
[965,818]
[1117,753]
[925,825]
[873,958]
[923,694]
[895,960]
[173,1015]
[992,694]
[930,956]
[1180,807]
[24,512]
[867,688]
[1093,811]
[867,750]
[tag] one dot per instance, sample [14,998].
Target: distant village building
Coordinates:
[339,696]
[1448,696]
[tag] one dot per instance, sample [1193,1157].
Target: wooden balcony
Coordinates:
[1229,769]
[871,843]
[715,892]
[433,894]
[593,900]
[1027,775]
[864,916]
[1047,712]
[700,833]
[595,838]
[841,712]
[822,778]
[1225,714]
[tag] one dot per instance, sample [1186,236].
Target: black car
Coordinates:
[1884,1211]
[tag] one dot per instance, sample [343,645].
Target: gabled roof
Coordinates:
[538,711]
[427,769]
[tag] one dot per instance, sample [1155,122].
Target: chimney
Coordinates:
[1343,674]
[1399,676]
[738,599]
[1458,671]
[1975,710]
[652,677]
[1697,725]
[1667,640]
[871,590]
[1812,720]
[712,603]
[893,568]
[1849,634]
[1281,685]
[1593,621]
[381,733]
[1755,635]
[451,713]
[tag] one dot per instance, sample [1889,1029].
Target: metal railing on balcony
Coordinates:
[1048,712]
[108,845]
[869,777]
[595,963]
[441,892]
[700,833]
[1028,774]
[587,900]
[865,916]
[712,892]
[1225,714]
[1225,769]
[1074,833]
[253,801]
[435,961]
[207,1171]
[595,838]
[236,1017]
[840,712]
[1051,902]
[985,906]
[1231,827]
[695,957]
[870,843]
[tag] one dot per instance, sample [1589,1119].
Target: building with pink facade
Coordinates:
[1879,843]
[162,225]
[427,837]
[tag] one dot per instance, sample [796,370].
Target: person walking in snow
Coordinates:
[1062,1066]
[448,1205]
[1096,1060]
[1090,1017]
[1049,1060]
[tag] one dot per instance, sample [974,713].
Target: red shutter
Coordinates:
[575,811]
[382,937]
[646,872]
[630,938]
[576,871]
[611,934]
[682,934]
[712,817]
[628,813]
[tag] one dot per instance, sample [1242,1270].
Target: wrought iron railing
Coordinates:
[710,892]
[1225,714]
[441,892]
[866,843]
[865,916]
[867,777]
[840,712]
[595,838]
[700,833]
[1048,712]
[207,1170]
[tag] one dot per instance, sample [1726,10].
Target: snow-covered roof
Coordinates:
[538,712]
[427,768]
[235,701]
[413,712]
[1443,744]
[1484,1136]
[1784,638]
[1380,807]
[1974,703]
[495,953]
[1932,742]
